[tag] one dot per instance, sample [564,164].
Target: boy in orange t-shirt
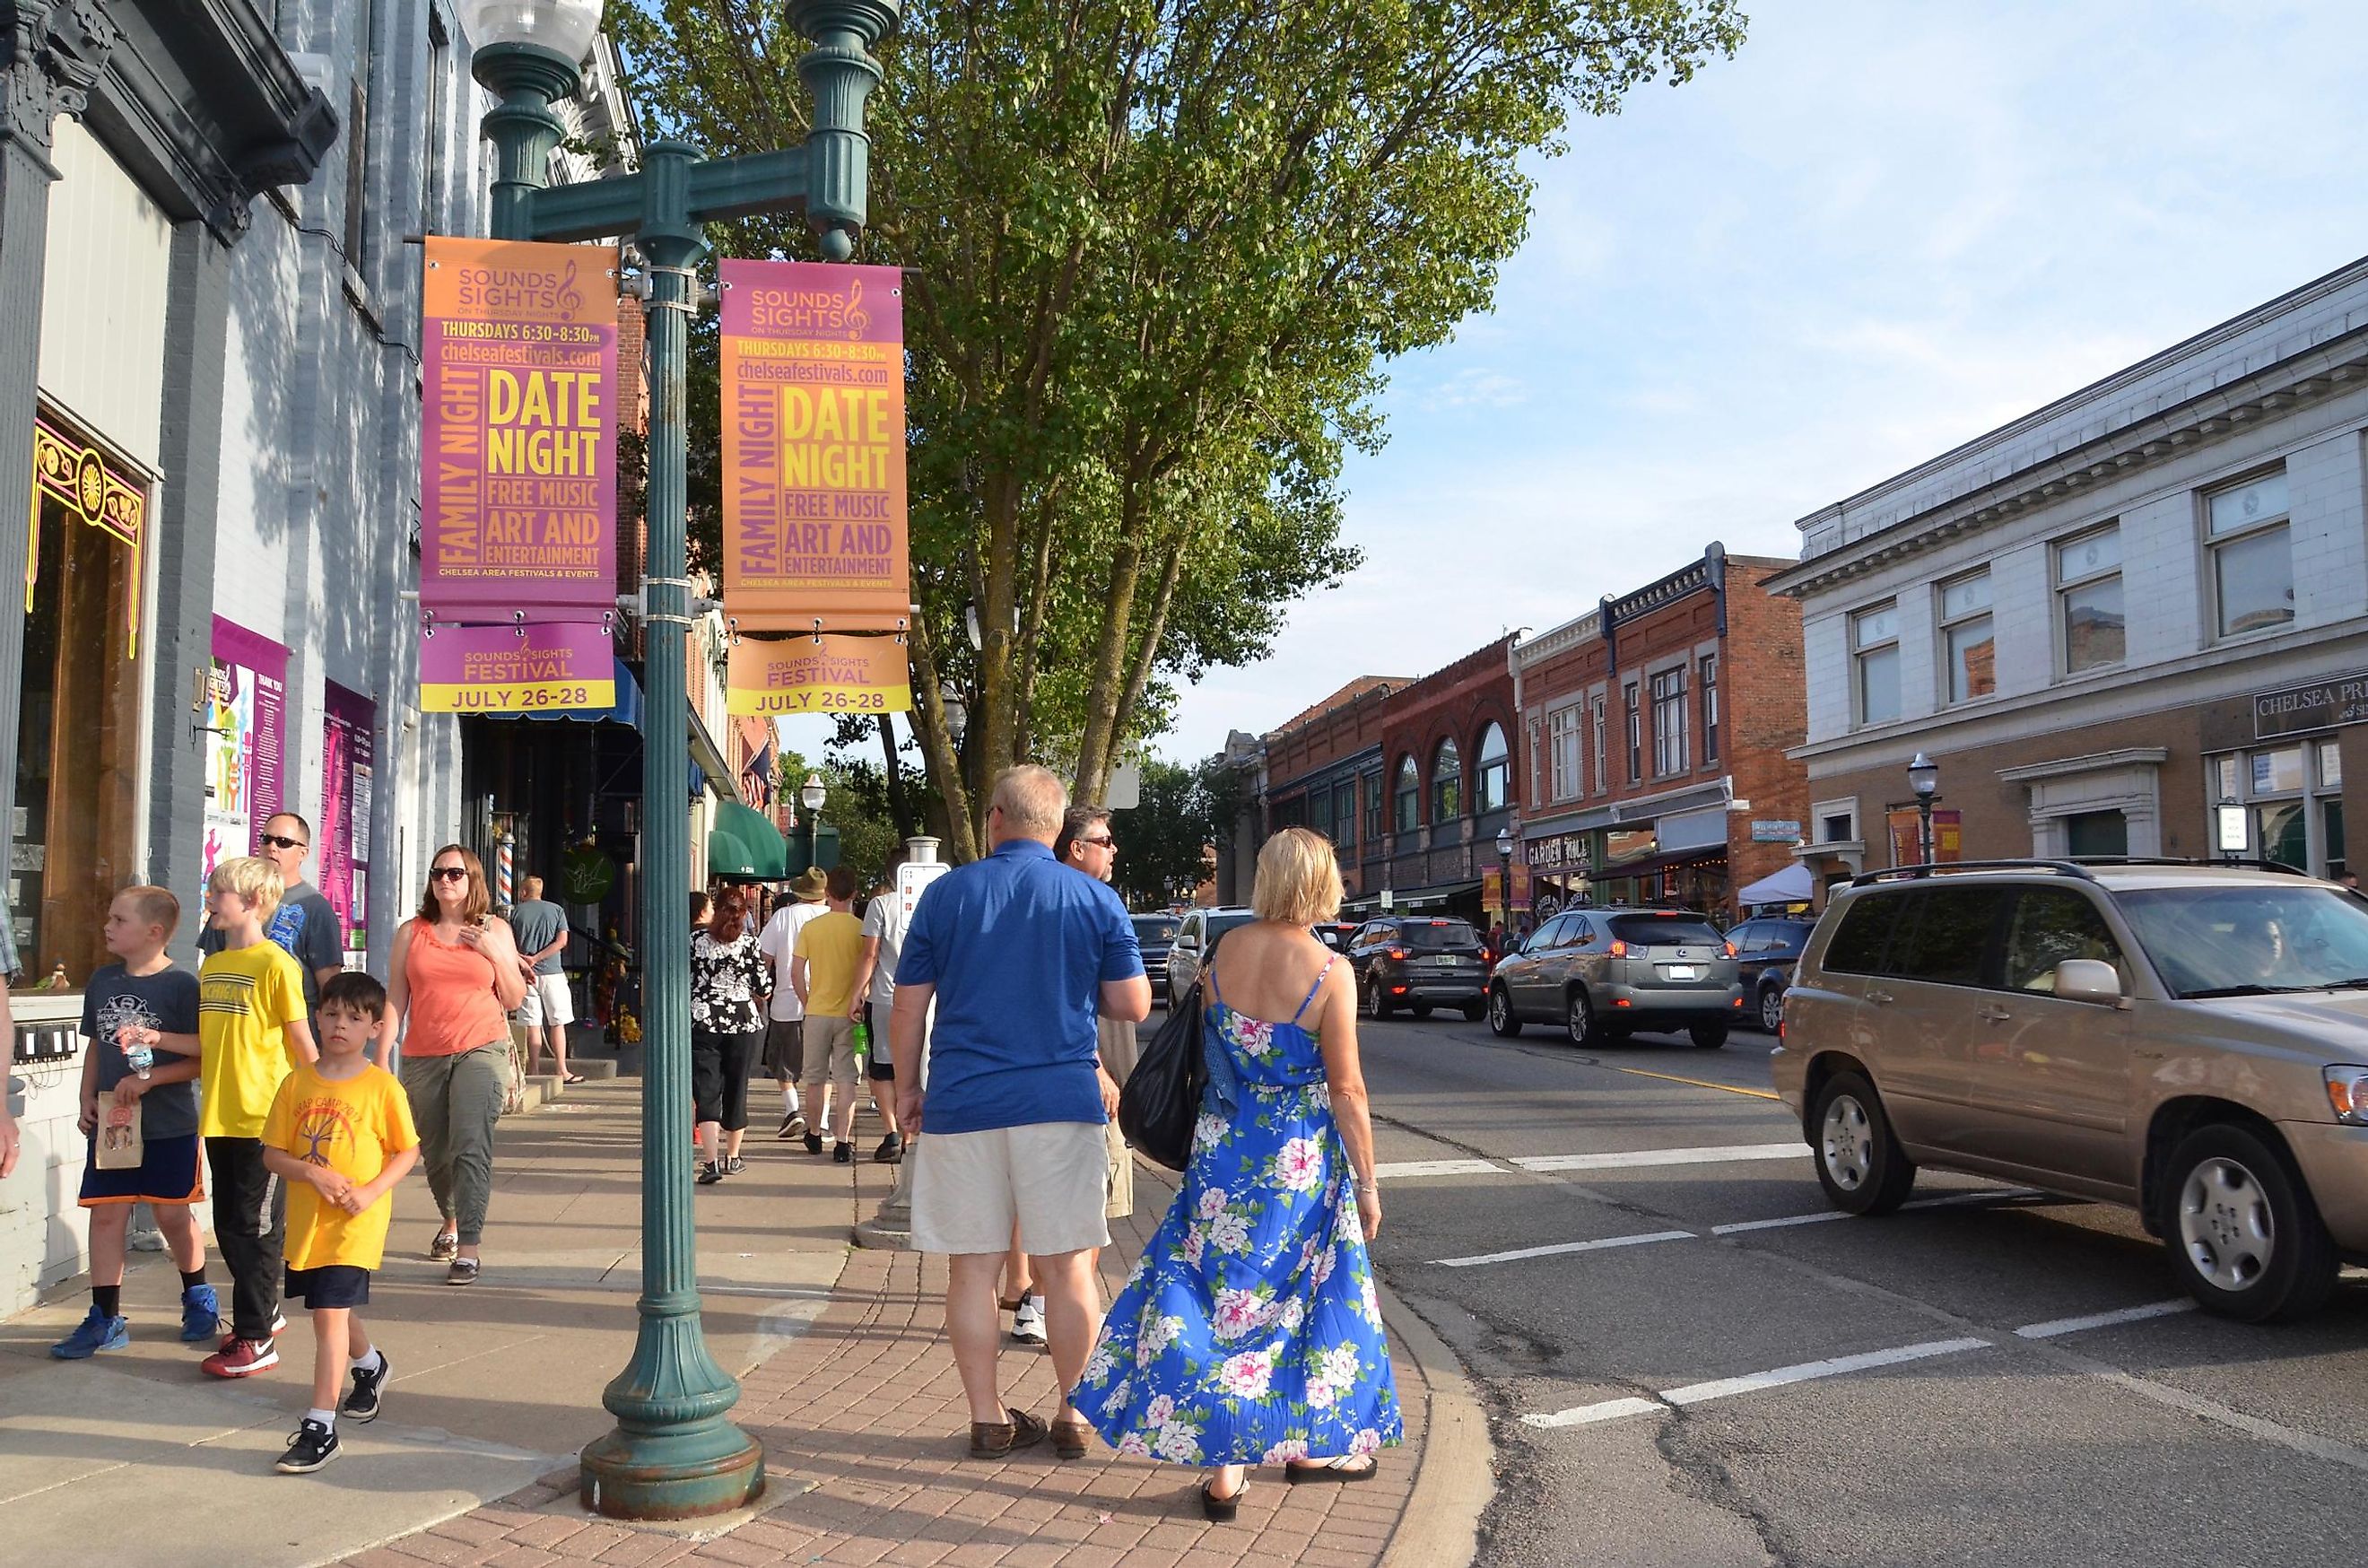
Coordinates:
[340,1135]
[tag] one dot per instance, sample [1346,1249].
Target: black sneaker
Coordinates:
[843,1153]
[735,1166]
[814,1142]
[710,1172]
[309,1447]
[792,1125]
[891,1151]
[360,1403]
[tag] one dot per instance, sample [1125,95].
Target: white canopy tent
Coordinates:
[1792,885]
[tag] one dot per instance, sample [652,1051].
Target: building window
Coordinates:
[1408,795]
[1372,809]
[2097,833]
[1562,749]
[1319,811]
[2252,556]
[1710,707]
[2089,600]
[1598,738]
[1494,781]
[2292,800]
[1968,648]
[1837,827]
[439,120]
[1635,734]
[1670,723]
[1446,783]
[1344,813]
[1874,651]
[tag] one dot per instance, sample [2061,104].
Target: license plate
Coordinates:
[1680,971]
[1443,963]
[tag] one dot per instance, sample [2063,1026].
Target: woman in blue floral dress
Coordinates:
[1250,1333]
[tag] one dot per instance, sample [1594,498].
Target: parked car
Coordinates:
[1155,934]
[1604,975]
[2187,1040]
[1765,953]
[1418,962]
[1335,934]
[1196,938]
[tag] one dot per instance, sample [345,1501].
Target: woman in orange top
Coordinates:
[455,978]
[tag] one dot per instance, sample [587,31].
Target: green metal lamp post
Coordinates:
[672,1455]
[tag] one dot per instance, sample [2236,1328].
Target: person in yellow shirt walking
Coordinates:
[829,948]
[341,1135]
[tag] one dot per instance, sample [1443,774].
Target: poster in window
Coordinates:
[246,695]
[342,839]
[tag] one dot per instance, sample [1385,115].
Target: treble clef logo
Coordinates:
[858,319]
[570,297]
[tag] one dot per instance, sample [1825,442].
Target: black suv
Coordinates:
[1765,954]
[1418,962]
[1155,934]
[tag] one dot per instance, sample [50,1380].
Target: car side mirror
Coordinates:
[2088,980]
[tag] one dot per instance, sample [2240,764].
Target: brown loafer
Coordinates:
[995,1439]
[1070,1437]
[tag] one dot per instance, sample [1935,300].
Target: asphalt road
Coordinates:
[1943,1436]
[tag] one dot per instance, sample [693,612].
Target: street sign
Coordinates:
[1775,832]
[1389,901]
[1124,791]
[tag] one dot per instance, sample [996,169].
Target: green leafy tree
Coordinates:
[1163,840]
[1157,253]
[854,802]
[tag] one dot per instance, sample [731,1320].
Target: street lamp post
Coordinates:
[1924,778]
[672,1454]
[1505,875]
[811,795]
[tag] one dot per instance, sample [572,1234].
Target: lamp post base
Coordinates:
[672,1472]
[891,1229]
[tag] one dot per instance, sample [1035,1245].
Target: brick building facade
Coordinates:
[1324,771]
[1446,784]
[1656,730]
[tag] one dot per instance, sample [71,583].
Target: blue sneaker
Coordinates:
[95,1333]
[200,1314]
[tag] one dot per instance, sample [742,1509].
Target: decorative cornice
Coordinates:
[2336,366]
[55,55]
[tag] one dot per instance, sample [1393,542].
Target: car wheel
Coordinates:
[1859,1161]
[1586,1029]
[1420,1009]
[1503,1022]
[2242,1230]
[1474,1011]
[1771,1008]
[1708,1037]
[1377,1001]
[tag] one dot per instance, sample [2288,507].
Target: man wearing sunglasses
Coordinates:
[305,926]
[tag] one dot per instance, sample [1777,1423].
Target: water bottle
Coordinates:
[142,1058]
[862,1038]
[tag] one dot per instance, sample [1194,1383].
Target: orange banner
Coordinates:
[814,446]
[819,675]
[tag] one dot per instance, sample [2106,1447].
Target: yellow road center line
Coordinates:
[1697,1083]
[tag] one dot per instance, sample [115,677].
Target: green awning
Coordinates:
[744,846]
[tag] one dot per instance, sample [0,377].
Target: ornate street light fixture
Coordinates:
[1924,778]
[673,1455]
[1505,874]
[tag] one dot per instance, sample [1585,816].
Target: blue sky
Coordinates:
[1879,230]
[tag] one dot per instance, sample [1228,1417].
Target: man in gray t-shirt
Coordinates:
[885,919]
[541,929]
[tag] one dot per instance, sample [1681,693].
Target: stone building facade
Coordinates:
[2120,624]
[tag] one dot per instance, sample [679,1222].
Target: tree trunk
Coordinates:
[900,805]
[1146,652]
[1099,738]
[937,753]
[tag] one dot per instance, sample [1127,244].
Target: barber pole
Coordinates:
[504,864]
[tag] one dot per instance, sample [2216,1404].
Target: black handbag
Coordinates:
[1161,1101]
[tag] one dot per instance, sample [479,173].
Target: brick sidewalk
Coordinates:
[865,1431]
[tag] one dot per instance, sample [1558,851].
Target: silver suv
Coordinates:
[2187,1040]
[1605,973]
[1195,940]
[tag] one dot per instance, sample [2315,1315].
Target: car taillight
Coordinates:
[1730,950]
[1397,953]
[1619,949]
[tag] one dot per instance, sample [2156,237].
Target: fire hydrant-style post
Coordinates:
[673,1454]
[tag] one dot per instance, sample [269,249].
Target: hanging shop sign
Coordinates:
[539,667]
[78,479]
[819,675]
[517,452]
[814,446]
[245,705]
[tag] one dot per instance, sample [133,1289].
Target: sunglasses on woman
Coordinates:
[450,874]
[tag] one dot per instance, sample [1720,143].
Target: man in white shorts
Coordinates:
[541,928]
[1019,954]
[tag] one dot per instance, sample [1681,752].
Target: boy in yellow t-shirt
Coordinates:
[822,970]
[340,1135]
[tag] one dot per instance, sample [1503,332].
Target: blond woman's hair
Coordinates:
[253,879]
[1298,879]
[1032,799]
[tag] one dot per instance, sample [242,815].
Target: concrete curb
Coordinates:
[1440,1525]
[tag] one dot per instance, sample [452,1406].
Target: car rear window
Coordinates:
[1857,946]
[1155,928]
[1664,930]
[1221,924]
[1437,936]
[1950,938]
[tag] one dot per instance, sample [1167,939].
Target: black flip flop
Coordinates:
[1359,1467]
[1221,1510]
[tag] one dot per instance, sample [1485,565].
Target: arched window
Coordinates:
[1408,795]
[1492,784]
[1446,783]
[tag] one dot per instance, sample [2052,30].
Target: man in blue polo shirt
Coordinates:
[1019,954]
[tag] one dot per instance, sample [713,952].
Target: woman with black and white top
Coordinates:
[729,982]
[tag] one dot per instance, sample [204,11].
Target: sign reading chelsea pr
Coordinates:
[492,669]
[519,491]
[830,674]
[814,446]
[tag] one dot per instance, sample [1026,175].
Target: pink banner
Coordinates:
[245,725]
[493,669]
[518,494]
[342,845]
